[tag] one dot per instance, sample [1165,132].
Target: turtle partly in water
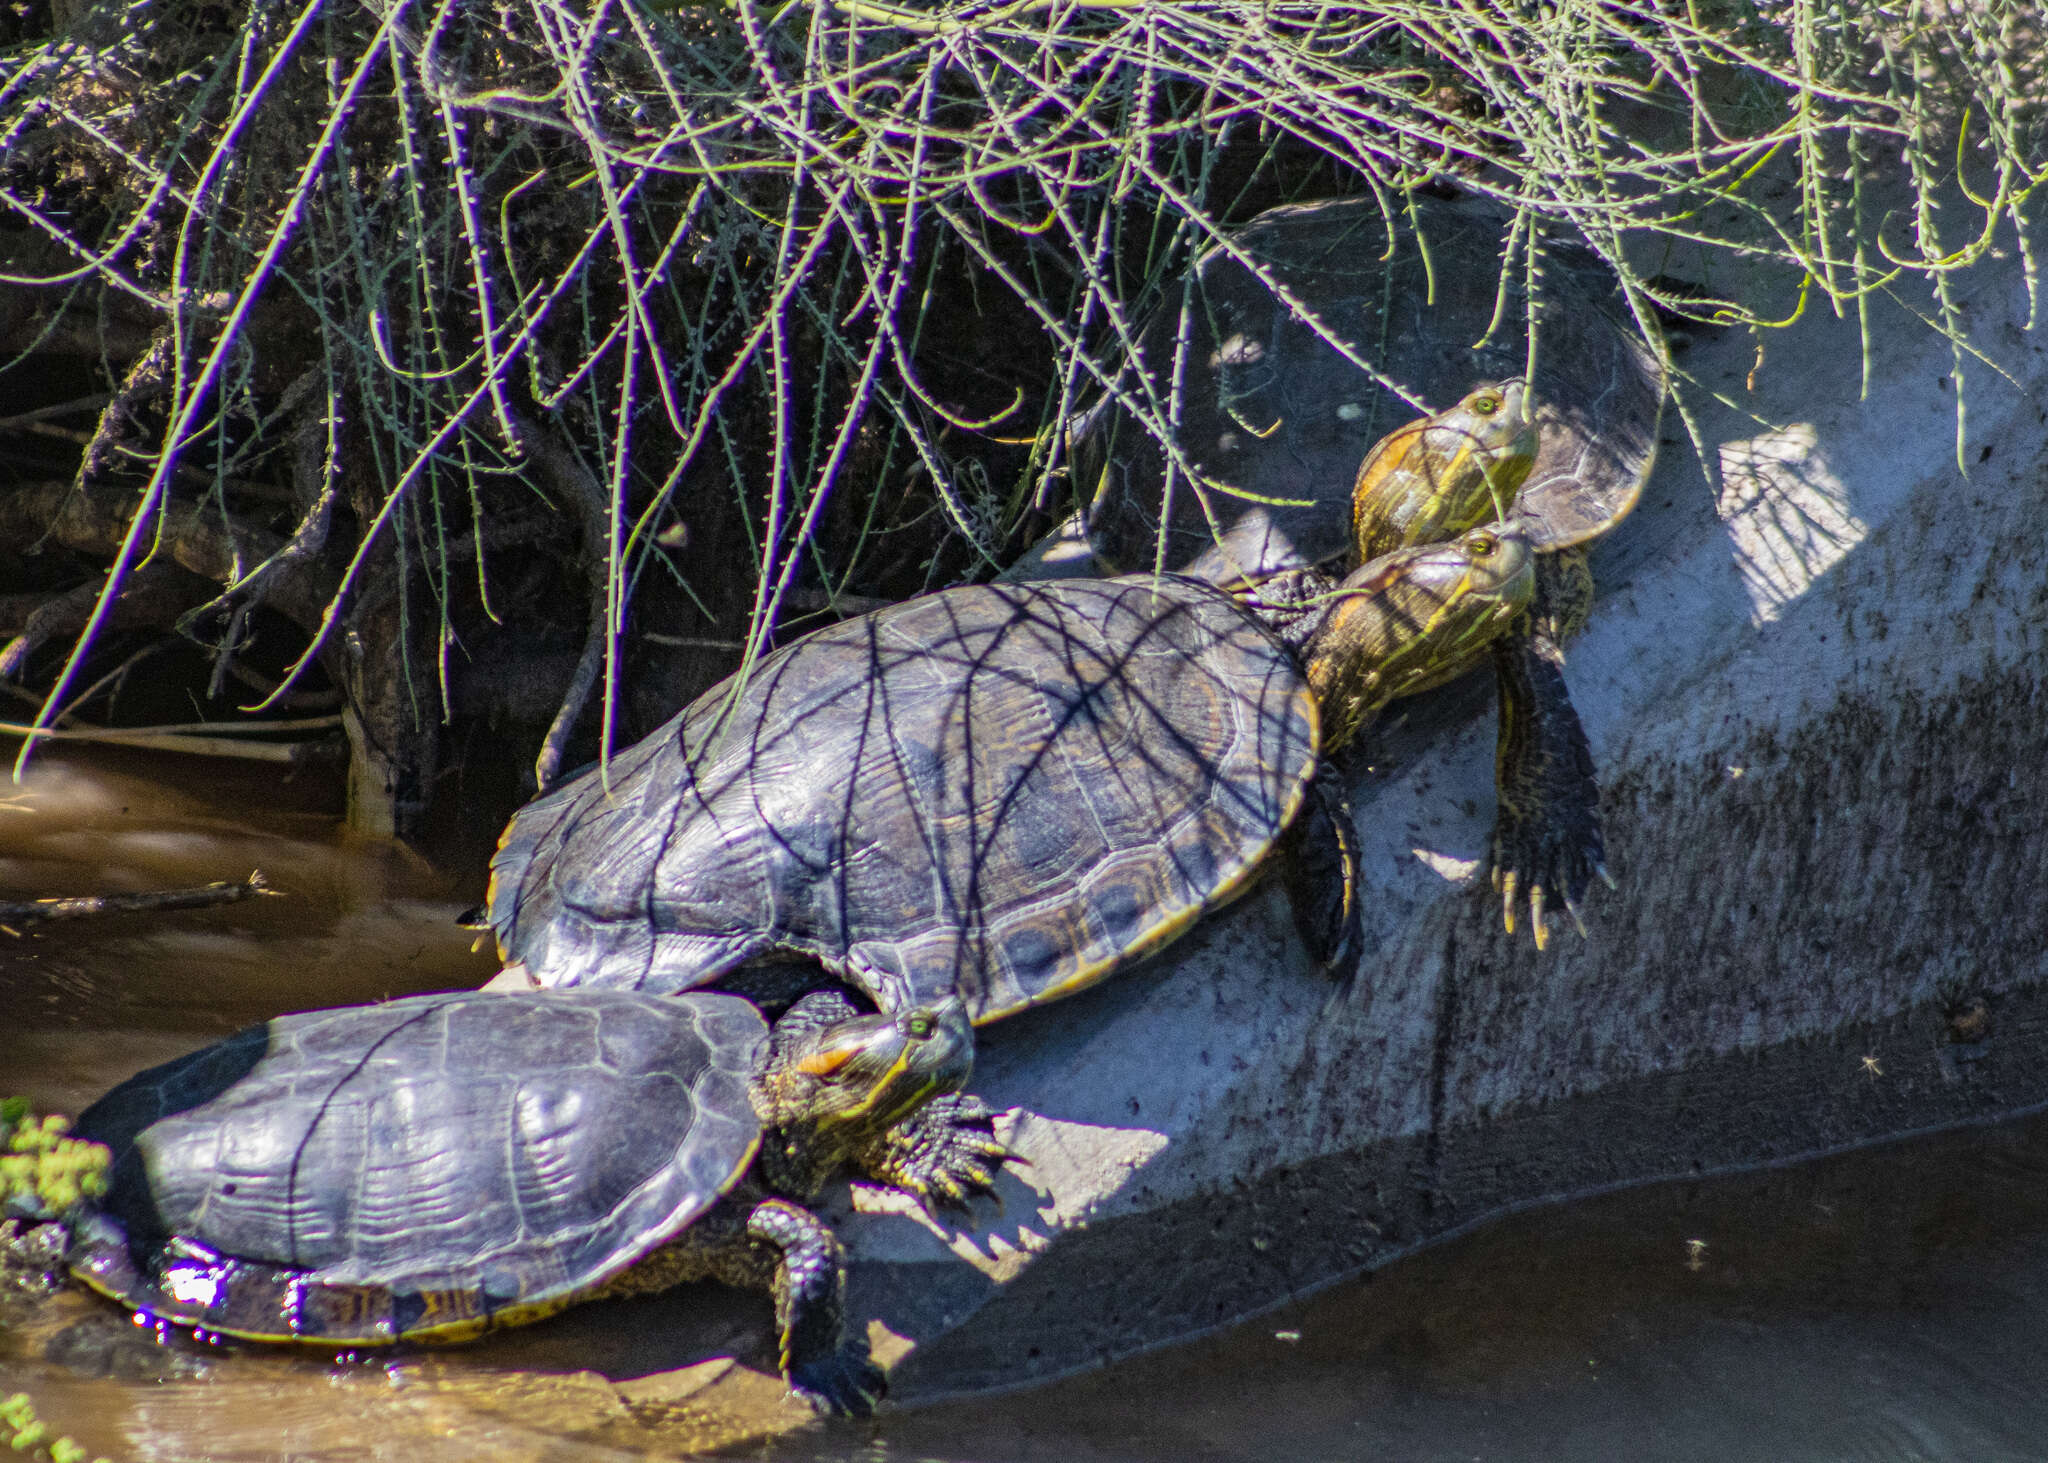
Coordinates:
[1003,792]
[433,1168]
[1263,482]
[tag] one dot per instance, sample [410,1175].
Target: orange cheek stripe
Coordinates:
[825,1063]
[1389,456]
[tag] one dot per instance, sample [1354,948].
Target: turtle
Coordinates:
[429,1169]
[999,792]
[1274,420]
[1546,836]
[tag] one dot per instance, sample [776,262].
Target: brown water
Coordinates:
[1884,1306]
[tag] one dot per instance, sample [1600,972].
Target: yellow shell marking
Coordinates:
[1166,931]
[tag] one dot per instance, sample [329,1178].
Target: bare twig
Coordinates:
[152,596]
[114,678]
[196,728]
[255,680]
[17,913]
[188,740]
[569,479]
[820,601]
[691,642]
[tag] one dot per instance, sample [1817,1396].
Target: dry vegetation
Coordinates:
[501,372]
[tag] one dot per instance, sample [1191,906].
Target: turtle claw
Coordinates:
[1547,843]
[844,1384]
[951,1192]
[1536,870]
[945,1155]
[957,1198]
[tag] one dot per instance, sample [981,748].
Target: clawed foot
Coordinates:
[1527,861]
[945,1154]
[845,1384]
[1546,843]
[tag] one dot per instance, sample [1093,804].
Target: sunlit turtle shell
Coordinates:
[422,1170]
[1004,790]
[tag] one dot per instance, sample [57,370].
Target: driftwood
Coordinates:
[192,740]
[14,914]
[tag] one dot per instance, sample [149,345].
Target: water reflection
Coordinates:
[1880,1306]
[97,999]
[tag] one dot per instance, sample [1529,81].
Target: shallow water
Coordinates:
[1881,1306]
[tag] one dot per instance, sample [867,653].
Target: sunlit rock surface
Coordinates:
[1812,689]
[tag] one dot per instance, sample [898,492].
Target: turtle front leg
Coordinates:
[1546,842]
[945,1154]
[942,1150]
[823,1364]
[1319,854]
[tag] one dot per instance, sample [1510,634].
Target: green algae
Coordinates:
[44,1172]
[29,1435]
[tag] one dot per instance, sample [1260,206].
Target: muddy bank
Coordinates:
[1812,689]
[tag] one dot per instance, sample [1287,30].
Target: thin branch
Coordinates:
[15,914]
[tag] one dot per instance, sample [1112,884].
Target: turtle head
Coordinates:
[845,1081]
[1439,476]
[1414,619]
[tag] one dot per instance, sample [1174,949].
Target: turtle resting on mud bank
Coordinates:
[1289,351]
[430,1169]
[1003,793]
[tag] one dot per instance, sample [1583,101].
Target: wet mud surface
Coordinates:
[1879,1305]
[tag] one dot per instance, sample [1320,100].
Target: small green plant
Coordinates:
[30,1436]
[43,1171]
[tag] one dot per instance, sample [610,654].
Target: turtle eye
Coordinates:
[1486,403]
[1481,545]
[921,1025]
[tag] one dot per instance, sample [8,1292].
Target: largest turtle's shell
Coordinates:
[1275,412]
[1001,790]
[423,1169]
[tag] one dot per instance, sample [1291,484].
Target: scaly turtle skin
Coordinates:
[1273,416]
[433,1168]
[1003,792]
[1435,476]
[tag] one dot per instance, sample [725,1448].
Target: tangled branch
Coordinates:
[812,287]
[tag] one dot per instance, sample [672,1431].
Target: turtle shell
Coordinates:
[424,1169]
[1003,790]
[1279,420]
